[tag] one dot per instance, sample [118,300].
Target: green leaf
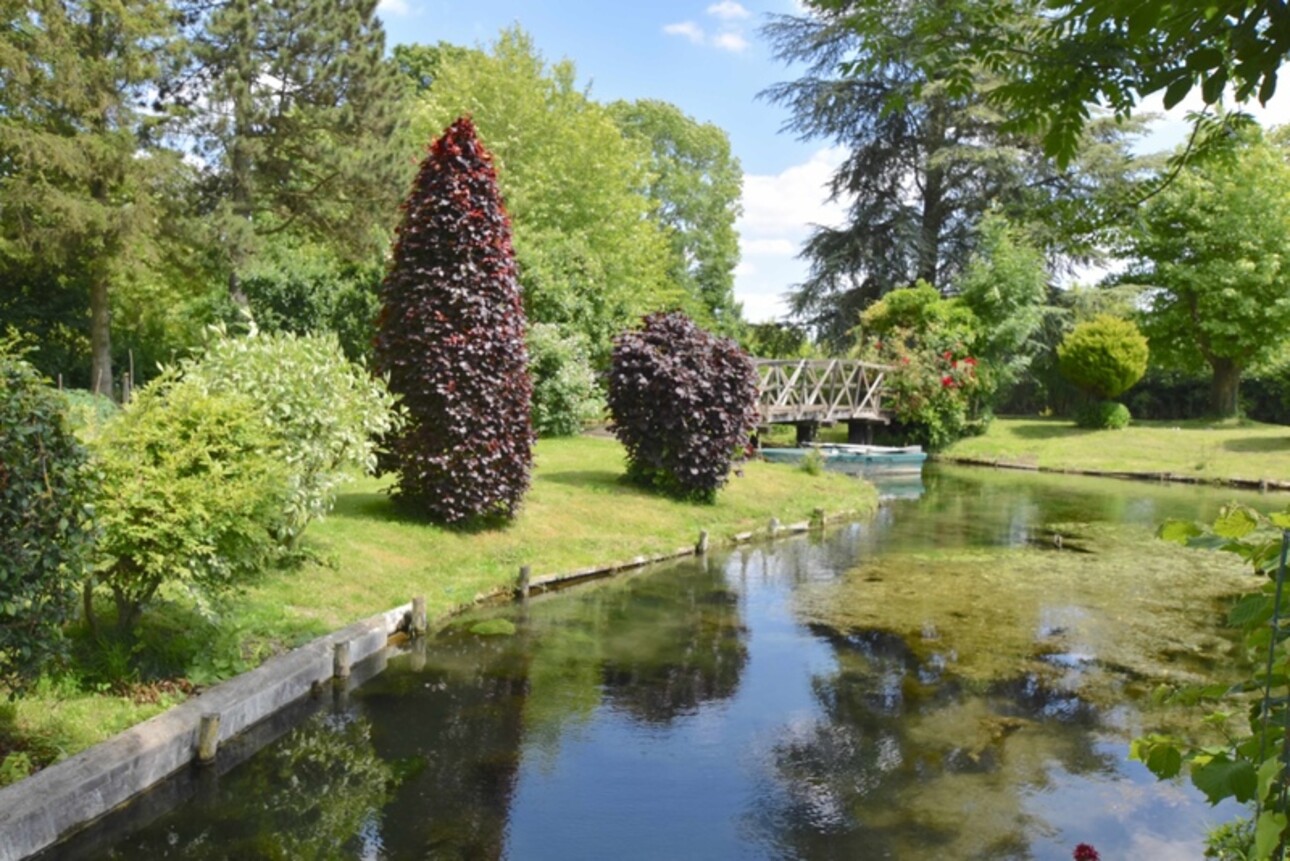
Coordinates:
[1236,521]
[1178,531]
[1267,833]
[1177,91]
[1268,773]
[1221,778]
[1250,611]
[1280,519]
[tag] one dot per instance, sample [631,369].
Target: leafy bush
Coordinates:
[929,391]
[322,411]
[1103,415]
[565,394]
[87,412]
[1103,357]
[45,519]
[683,403]
[192,493]
[451,339]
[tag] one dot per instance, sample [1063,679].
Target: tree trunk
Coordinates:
[100,334]
[1224,387]
[932,219]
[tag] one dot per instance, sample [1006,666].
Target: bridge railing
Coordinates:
[820,390]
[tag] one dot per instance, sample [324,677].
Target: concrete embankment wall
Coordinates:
[37,812]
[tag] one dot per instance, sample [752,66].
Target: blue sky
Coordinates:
[708,58]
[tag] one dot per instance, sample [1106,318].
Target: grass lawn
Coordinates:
[367,557]
[1217,451]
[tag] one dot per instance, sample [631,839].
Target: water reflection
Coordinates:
[948,680]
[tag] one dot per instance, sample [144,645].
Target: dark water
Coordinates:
[942,682]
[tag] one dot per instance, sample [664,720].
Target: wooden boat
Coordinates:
[855,458]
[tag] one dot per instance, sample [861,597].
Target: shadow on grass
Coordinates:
[1048,430]
[591,479]
[383,508]
[1258,444]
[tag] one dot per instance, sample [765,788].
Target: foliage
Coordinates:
[926,156]
[1212,244]
[1103,357]
[87,412]
[921,314]
[695,183]
[1249,765]
[79,164]
[930,392]
[565,394]
[451,339]
[812,462]
[777,340]
[192,493]
[592,257]
[45,519]
[1005,285]
[683,403]
[322,412]
[1103,415]
[305,289]
[296,129]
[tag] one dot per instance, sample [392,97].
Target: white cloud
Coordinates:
[730,42]
[777,247]
[728,10]
[394,7]
[688,29]
[779,213]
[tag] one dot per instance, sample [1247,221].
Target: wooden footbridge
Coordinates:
[810,392]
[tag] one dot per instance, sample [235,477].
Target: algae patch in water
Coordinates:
[1145,610]
[493,628]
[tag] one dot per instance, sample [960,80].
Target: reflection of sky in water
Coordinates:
[940,682]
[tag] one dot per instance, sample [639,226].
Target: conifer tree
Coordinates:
[451,339]
[293,111]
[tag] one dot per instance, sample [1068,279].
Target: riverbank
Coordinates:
[366,557]
[1237,452]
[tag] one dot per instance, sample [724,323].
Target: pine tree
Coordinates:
[294,111]
[451,339]
[78,168]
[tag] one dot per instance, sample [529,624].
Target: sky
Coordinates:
[709,59]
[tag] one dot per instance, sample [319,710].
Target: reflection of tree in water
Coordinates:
[315,794]
[674,641]
[907,761]
[458,721]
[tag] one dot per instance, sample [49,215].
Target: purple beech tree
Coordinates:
[451,339]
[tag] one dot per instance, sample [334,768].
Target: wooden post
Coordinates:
[773,527]
[340,661]
[817,518]
[419,623]
[207,739]
[702,547]
[522,582]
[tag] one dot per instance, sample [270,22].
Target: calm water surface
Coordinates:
[945,682]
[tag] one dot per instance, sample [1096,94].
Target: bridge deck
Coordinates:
[792,391]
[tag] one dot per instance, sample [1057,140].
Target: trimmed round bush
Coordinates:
[1103,357]
[1103,415]
[45,520]
[683,403]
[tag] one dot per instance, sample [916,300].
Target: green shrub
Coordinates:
[45,520]
[930,392]
[322,411]
[812,462]
[192,492]
[88,412]
[565,394]
[1103,415]
[1103,357]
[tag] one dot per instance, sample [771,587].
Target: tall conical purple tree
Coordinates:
[451,339]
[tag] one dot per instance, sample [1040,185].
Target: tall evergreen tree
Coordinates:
[923,163]
[78,167]
[293,110]
[451,339]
